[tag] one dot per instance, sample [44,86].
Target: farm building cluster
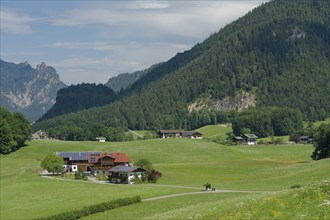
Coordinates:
[116,165]
[179,134]
[247,139]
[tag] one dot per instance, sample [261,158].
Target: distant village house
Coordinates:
[179,134]
[101,139]
[40,135]
[247,139]
[306,139]
[250,139]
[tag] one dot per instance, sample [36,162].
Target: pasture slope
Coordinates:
[187,163]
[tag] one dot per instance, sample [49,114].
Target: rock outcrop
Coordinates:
[240,101]
[28,90]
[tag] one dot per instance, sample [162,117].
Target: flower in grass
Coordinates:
[276,213]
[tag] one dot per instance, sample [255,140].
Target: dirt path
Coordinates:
[192,193]
[137,134]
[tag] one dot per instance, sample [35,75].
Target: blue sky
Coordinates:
[91,41]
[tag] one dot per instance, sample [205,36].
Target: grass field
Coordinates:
[187,163]
[211,131]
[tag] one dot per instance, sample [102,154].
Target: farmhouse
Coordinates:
[250,139]
[179,134]
[306,139]
[40,135]
[125,174]
[93,161]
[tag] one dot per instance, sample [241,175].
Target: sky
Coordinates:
[92,41]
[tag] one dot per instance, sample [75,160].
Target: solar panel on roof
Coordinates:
[73,155]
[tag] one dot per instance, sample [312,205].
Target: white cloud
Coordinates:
[182,18]
[147,4]
[98,46]
[123,58]
[15,23]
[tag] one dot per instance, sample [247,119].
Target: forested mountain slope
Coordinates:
[80,97]
[279,53]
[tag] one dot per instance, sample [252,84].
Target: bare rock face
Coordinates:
[28,90]
[239,102]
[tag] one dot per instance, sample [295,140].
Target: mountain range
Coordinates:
[28,90]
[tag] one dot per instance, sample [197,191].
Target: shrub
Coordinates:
[297,186]
[278,141]
[92,209]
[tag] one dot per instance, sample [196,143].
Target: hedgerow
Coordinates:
[92,209]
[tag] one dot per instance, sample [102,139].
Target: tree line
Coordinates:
[268,121]
[15,130]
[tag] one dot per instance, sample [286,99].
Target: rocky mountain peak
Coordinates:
[27,90]
[44,70]
[26,63]
[41,67]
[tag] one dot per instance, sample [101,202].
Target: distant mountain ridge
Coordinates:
[277,54]
[28,90]
[125,80]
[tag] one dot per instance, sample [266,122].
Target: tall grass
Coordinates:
[311,202]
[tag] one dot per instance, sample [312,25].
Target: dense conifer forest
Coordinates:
[279,52]
[80,97]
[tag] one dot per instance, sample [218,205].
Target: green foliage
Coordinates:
[101,176]
[311,202]
[80,97]
[80,175]
[14,131]
[53,164]
[268,121]
[151,175]
[322,142]
[278,141]
[144,163]
[92,209]
[138,180]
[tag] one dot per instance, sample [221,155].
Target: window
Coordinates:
[93,160]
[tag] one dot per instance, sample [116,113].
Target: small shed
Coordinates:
[306,139]
[238,140]
[101,139]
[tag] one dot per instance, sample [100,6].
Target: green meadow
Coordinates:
[185,164]
[212,131]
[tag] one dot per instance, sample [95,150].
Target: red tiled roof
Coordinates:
[120,157]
